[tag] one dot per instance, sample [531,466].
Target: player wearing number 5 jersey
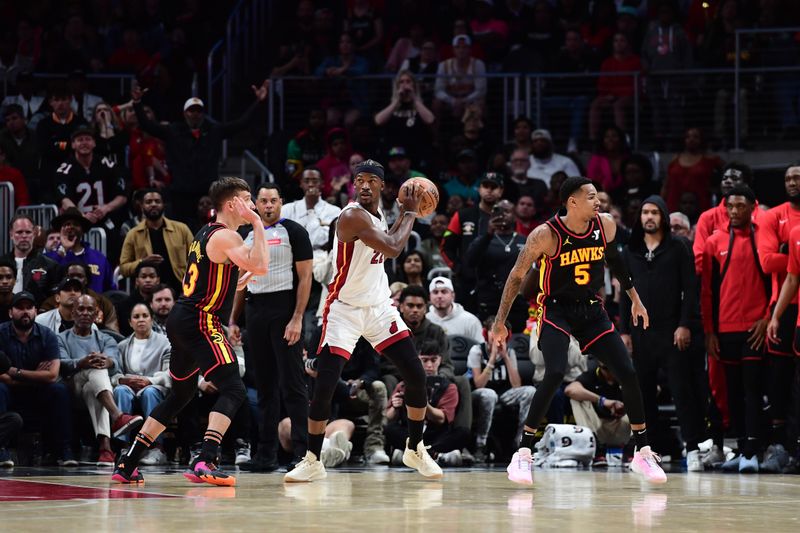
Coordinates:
[572,248]
[196,335]
[96,186]
[359,305]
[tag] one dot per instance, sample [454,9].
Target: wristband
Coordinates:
[601,401]
[411,213]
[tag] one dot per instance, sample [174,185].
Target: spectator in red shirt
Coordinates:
[605,165]
[598,31]
[734,306]
[489,31]
[615,92]
[15,177]
[130,57]
[691,171]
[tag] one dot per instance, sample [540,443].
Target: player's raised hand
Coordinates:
[262,91]
[245,211]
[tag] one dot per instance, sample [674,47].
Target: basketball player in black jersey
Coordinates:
[195,331]
[572,248]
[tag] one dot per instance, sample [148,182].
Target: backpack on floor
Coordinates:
[565,446]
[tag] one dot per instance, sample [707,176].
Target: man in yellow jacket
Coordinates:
[157,240]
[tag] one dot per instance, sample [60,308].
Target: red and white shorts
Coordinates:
[343,325]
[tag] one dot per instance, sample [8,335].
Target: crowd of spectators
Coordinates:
[84,331]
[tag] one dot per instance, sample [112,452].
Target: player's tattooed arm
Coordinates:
[541,241]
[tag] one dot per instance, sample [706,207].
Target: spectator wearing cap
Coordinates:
[8,276]
[406,120]
[467,224]
[545,162]
[194,147]
[73,226]
[19,145]
[60,318]
[465,183]
[34,271]
[89,358]
[312,212]
[400,165]
[492,256]
[96,186]
[83,103]
[80,271]
[460,81]
[158,240]
[450,315]
[30,385]
[29,103]
[9,174]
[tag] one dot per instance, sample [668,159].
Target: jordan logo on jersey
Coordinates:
[567,241]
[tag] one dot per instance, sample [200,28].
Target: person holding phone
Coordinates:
[492,257]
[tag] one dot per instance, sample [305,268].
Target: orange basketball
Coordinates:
[430,196]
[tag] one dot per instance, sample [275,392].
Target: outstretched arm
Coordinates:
[541,241]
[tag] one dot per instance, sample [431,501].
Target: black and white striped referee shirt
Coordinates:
[288,243]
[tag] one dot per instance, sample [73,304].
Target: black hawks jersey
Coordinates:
[576,271]
[89,189]
[208,286]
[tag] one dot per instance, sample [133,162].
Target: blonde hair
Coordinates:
[396,83]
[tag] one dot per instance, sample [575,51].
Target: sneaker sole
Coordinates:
[645,478]
[133,424]
[435,475]
[315,477]
[192,477]
[520,481]
[116,478]
[211,479]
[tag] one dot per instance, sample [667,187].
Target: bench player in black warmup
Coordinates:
[572,248]
[195,331]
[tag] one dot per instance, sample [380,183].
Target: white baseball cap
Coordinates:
[191,102]
[440,282]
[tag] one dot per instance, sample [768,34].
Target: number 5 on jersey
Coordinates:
[582,274]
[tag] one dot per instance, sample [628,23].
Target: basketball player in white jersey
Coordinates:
[359,304]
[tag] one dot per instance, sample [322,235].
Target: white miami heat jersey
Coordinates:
[359,278]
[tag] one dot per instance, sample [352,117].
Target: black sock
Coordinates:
[209,452]
[779,434]
[640,436]
[750,447]
[315,444]
[527,439]
[414,433]
[129,461]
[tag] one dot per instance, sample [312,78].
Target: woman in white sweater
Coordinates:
[143,380]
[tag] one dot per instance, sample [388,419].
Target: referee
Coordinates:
[276,302]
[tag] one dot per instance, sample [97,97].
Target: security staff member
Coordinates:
[274,315]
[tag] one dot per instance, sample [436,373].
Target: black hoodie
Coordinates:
[665,280]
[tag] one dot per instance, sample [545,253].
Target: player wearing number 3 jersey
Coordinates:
[359,304]
[195,331]
[572,248]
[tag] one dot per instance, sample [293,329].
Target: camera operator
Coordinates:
[492,256]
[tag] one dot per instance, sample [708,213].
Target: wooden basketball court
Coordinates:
[388,500]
